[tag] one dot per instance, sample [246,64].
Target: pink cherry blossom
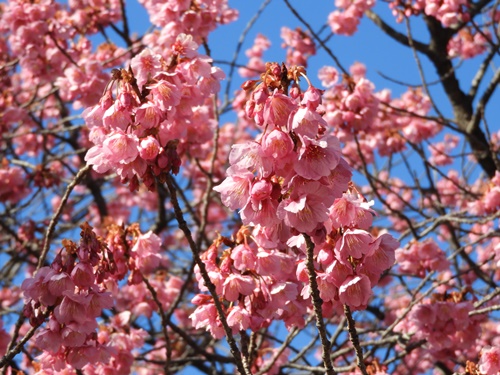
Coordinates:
[490,361]
[13,188]
[235,190]
[277,109]
[328,76]
[355,292]
[149,148]
[317,158]
[147,64]
[234,285]
[355,243]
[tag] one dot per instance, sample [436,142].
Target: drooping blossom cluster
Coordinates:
[73,292]
[13,187]
[489,201]
[70,295]
[158,107]
[259,284]
[41,35]
[299,46]
[369,121]
[445,323]
[414,125]
[84,83]
[468,43]
[290,182]
[298,164]
[84,16]
[195,17]
[352,259]
[345,21]
[421,257]
[448,12]
[255,65]
[54,63]
[441,152]
[350,104]
[30,39]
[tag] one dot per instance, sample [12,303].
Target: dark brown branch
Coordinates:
[459,100]
[396,35]
[126,32]
[480,74]
[208,283]
[317,305]
[353,334]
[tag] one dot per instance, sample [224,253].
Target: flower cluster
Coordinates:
[346,20]
[29,23]
[84,16]
[351,261]
[421,257]
[72,293]
[368,122]
[299,44]
[441,151]
[299,169]
[445,323]
[195,17]
[255,65]
[259,285]
[290,183]
[448,12]
[489,201]
[13,187]
[159,105]
[468,43]
[351,104]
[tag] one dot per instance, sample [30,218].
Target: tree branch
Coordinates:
[208,283]
[317,304]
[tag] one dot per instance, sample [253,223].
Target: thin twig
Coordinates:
[19,346]
[316,37]
[55,218]
[164,325]
[237,50]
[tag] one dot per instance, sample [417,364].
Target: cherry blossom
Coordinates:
[160,214]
